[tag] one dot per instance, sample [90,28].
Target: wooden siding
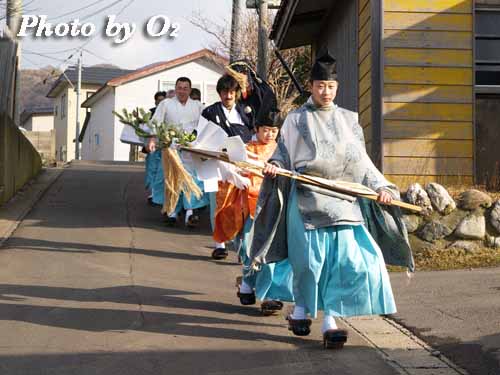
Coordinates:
[338,33]
[428,91]
[427,57]
[365,71]
[405,180]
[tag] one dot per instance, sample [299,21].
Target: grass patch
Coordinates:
[453,259]
[455,191]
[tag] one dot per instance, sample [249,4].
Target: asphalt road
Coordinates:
[456,312]
[93,283]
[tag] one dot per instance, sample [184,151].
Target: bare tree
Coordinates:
[298,59]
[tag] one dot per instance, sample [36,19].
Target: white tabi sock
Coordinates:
[299,313]
[328,323]
[220,245]
[188,214]
[173,216]
[245,288]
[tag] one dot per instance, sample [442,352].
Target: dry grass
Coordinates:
[177,181]
[453,259]
[456,190]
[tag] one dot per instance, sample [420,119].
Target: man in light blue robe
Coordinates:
[153,159]
[337,265]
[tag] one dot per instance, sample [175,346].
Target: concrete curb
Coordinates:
[404,351]
[15,210]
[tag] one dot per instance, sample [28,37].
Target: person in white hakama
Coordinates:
[183,111]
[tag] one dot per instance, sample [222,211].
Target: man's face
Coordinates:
[324,92]
[228,98]
[267,134]
[182,91]
[159,99]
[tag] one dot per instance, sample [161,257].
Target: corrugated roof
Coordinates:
[90,75]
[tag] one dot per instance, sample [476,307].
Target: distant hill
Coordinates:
[109,66]
[36,83]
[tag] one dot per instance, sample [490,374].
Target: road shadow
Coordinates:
[126,294]
[120,320]
[306,358]
[21,244]
[479,357]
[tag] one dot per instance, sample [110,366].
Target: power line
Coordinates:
[81,47]
[87,42]
[117,14]
[100,10]
[75,11]
[43,55]
[99,57]
[32,62]
[59,52]
[58,68]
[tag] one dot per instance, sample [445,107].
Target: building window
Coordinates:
[487,34]
[56,111]
[63,106]
[96,139]
[167,85]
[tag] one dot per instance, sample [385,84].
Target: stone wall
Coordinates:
[45,143]
[470,222]
[19,161]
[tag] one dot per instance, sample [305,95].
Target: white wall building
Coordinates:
[64,96]
[38,119]
[100,135]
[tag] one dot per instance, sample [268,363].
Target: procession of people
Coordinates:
[296,242]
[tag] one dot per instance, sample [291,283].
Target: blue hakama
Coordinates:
[273,281]
[338,269]
[158,191]
[153,163]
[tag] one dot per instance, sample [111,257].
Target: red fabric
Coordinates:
[234,205]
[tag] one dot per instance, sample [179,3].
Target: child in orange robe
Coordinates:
[234,219]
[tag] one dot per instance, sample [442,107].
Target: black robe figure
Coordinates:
[256,94]
[215,113]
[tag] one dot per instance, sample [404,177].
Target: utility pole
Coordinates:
[78,92]
[14,11]
[262,7]
[262,56]
[236,31]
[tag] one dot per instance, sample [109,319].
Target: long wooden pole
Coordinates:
[256,167]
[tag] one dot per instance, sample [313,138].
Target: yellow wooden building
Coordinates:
[423,75]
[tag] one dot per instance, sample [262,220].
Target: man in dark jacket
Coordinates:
[229,114]
[232,117]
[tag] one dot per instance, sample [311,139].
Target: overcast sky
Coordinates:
[139,50]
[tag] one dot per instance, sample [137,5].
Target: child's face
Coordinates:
[267,134]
